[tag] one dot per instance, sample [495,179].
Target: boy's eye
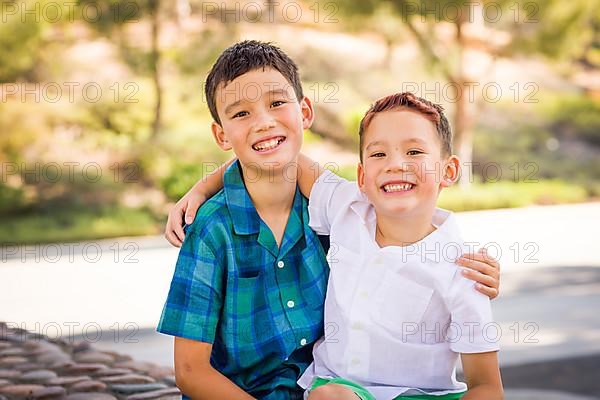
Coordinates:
[378,154]
[414,152]
[240,114]
[277,103]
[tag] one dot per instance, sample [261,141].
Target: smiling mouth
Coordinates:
[268,144]
[397,187]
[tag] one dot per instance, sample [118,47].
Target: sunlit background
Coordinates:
[104,125]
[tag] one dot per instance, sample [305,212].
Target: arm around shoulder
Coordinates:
[196,378]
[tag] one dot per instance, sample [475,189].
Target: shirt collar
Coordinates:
[246,220]
[446,233]
[243,213]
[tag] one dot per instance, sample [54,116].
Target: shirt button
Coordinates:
[355,361]
[364,294]
[303,342]
[291,304]
[280,264]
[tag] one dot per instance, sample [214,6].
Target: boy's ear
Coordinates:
[308,112]
[451,171]
[360,175]
[219,135]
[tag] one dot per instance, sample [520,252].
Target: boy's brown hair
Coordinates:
[244,57]
[407,100]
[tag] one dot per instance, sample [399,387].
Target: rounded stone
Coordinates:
[137,388]
[84,368]
[157,394]
[12,360]
[94,357]
[20,390]
[50,392]
[53,357]
[128,379]
[90,396]
[169,380]
[111,372]
[4,382]
[9,374]
[67,380]
[14,351]
[38,376]
[26,367]
[140,366]
[159,373]
[88,386]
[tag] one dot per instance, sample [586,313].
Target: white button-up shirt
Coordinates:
[396,318]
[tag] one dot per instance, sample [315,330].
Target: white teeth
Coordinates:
[268,145]
[395,187]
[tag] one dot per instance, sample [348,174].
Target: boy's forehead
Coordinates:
[400,126]
[252,85]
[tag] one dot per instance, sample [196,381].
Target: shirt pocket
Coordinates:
[399,305]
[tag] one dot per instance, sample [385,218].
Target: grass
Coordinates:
[78,224]
[75,224]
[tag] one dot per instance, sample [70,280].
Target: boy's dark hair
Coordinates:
[407,100]
[247,56]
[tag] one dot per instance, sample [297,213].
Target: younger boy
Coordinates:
[399,309]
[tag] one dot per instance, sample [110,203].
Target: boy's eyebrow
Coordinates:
[411,140]
[372,144]
[232,105]
[416,140]
[272,92]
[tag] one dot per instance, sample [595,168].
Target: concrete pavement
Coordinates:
[113,290]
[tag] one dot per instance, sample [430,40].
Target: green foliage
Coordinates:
[12,200]
[576,116]
[68,224]
[511,195]
[183,176]
[20,40]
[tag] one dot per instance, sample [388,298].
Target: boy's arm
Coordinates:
[308,173]
[204,189]
[483,376]
[196,378]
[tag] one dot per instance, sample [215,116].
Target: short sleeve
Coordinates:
[329,195]
[472,328]
[195,297]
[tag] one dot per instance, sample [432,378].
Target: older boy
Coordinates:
[246,300]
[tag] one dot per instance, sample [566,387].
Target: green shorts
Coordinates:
[364,394]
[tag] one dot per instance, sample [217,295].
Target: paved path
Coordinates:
[116,288]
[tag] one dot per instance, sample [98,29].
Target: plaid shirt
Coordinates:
[259,305]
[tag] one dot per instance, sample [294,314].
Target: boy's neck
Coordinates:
[403,230]
[272,192]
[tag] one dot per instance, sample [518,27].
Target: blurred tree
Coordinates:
[20,39]
[114,15]
[549,27]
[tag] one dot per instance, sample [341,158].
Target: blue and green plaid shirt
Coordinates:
[259,305]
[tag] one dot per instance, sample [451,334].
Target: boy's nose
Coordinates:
[396,163]
[264,122]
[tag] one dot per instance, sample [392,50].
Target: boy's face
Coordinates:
[261,119]
[403,168]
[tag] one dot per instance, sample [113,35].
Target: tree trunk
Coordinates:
[155,65]
[463,135]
